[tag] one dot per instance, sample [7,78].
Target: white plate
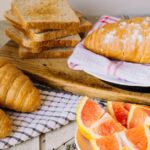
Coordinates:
[83,59]
[117,81]
[76,140]
[81,142]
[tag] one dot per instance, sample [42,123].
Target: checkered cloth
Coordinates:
[58,109]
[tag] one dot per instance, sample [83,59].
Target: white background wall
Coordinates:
[98,7]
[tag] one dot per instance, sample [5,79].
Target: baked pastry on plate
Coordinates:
[126,40]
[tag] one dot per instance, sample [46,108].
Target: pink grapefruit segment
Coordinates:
[138,116]
[111,142]
[88,112]
[146,110]
[119,110]
[129,115]
[137,138]
[91,112]
[106,126]
[93,122]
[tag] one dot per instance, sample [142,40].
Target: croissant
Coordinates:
[16,90]
[5,125]
[126,40]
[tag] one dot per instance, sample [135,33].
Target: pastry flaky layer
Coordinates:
[5,125]
[17,92]
[126,40]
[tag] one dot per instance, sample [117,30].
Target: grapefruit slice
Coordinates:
[146,110]
[106,126]
[137,138]
[93,122]
[138,116]
[111,142]
[88,112]
[119,110]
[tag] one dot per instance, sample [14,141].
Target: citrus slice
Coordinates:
[146,110]
[106,126]
[137,138]
[119,110]
[111,142]
[88,113]
[138,116]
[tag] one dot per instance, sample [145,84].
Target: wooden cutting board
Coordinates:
[56,73]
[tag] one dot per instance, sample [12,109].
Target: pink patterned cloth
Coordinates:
[119,72]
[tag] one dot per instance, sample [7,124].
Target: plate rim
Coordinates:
[105,78]
[76,141]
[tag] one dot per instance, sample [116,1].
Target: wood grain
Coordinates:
[32,144]
[55,72]
[56,138]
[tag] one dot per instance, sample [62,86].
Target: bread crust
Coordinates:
[25,53]
[127,40]
[41,35]
[5,125]
[15,88]
[37,47]
[44,24]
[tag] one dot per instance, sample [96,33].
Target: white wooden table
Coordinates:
[60,139]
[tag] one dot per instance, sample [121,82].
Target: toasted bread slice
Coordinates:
[25,53]
[47,14]
[39,35]
[36,47]
[16,22]
[55,34]
[79,14]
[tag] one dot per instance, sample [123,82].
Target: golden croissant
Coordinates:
[5,125]
[127,40]
[16,90]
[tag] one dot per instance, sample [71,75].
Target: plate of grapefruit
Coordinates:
[122,126]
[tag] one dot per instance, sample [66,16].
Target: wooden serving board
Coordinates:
[56,73]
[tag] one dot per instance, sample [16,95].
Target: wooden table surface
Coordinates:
[61,139]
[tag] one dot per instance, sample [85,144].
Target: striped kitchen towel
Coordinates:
[58,109]
[118,72]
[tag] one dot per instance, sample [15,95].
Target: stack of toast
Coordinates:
[45,28]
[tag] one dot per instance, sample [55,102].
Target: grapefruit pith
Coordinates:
[128,117]
[111,142]
[146,110]
[93,122]
[137,138]
[106,126]
[119,110]
[88,112]
[137,116]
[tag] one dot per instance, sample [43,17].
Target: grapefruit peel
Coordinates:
[85,131]
[116,136]
[131,114]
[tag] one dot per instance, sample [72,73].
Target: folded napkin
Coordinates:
[106,69]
